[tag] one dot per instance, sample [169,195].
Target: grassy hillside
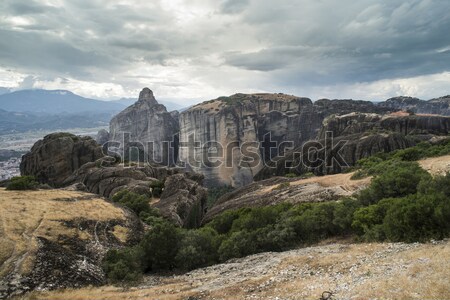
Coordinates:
[350,271]
[75,224]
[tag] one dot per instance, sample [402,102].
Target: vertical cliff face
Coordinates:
[263,120]
[228,127]
[146,122]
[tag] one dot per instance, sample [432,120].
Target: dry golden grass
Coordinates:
[365,271]
[28,214]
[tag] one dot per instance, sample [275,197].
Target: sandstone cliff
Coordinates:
[146,122]
[363,135]
[54,158]
[246,120]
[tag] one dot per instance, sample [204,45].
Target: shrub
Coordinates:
[281,186]
[291,175]
[22,183]
[135,202]
[215,193]
[398,179]
[198,248]
[123,265]
[239,244]
[157,188]
[160,246]
[410,154]
[416,217]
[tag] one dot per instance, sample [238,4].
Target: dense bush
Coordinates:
[198,248]
[398,179]
[157,188]
[124,265]
[22,183]
[421,216]
[160,247]
[137,203]
[216,192]
[376,164]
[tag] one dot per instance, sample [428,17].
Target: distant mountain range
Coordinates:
[39,109]
[54,102]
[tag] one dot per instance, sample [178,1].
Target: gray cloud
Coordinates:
[210,47]
[234,6]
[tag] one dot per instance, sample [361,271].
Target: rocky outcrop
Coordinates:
[362,135]
[230,122]
[260,121]
[54,158]
[183,198]
[365,123]
[437,106]
[287,190]
[183,201]
[54,239]
[148,123]
[102,136]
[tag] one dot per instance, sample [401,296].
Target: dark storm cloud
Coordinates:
[287,43]
[48,54]
[28,7]
[369,41]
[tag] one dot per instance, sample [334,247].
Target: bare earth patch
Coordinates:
[436,165]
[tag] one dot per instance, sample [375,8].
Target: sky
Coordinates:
[194,50]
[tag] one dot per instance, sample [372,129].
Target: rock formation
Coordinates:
[258,121]
[54,239]
[230,139]
[182,201]
[54,158]
[148,123]
[439,106]
[102,137]
[364,135]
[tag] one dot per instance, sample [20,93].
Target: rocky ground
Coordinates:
[293,190]
[349,271]
[57,238]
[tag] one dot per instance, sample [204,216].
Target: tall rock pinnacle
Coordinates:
[146,122]
[146,95]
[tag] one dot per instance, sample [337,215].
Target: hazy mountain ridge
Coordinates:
[38,109]
[54,102]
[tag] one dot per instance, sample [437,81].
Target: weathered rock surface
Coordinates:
[438,106]
[365,123]
[288,190]
[182,201]
[102,137]
[54,158]
[146,122]
[248,120]
[57,239]
[363,134]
